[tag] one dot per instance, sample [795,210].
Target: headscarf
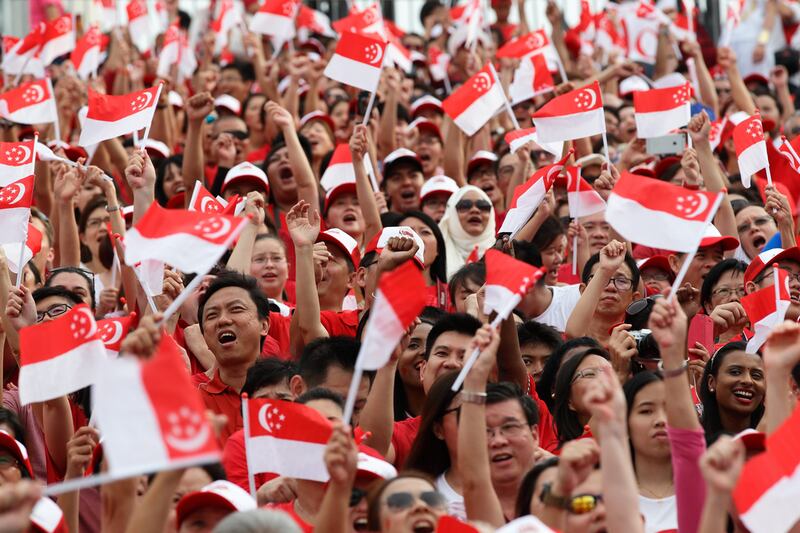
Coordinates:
[457,242]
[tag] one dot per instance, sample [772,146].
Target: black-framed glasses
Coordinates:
[767,273]
[655,276]
[727,292]
[621,283]
[356,495]
[238,134]
[583,503]
[400,501]
[53,311]
[466,205]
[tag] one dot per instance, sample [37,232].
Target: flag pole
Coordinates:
[776,278]
[769,176]
[728,30]
[577,210]
[251,480]
[22,262]
[605,147]
[685,266]
[505,98]
[185,293]
[350,404]
[371,102]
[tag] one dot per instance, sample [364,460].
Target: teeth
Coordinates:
[743,394]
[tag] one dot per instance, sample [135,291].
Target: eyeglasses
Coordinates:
[97,222]
[655,276]
[622,284]
[583,503]
[465,205]
[587,373]
[727,292]
[356,495]
[237,134]
[53,312]
[758,222]
[509,430]
[400,501]
[6,462]
[768,273]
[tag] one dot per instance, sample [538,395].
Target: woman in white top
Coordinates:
[468,222]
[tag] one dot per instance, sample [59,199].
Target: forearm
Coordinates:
[239,261]
[786,229]
[307,301]
[291,98]
[739,92]
[388,123]
[680,409]
[303,175]
[778,397]
[142,198]
[787,102]
[619,482]
[334,509]
[377,417]
[366,202]
[118,506]
[531,227]
[724,220]
[715,516]
[69,503]
[69,249]
[160,129]
[193,163]
[581,316]
[116,154]
[153,510]
[708,93]
[58,430]
[43,187]
[510,366]
[11,334]
[662,53]
[453,154]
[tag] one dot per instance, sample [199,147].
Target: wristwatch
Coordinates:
[473,397]
[553,500]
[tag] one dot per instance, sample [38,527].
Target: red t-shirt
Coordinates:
[288,508]
[234,460]
[548,439]
[278,343]
[340,323]
[221,399]
[403,435]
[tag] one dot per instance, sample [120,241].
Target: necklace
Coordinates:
[664,492]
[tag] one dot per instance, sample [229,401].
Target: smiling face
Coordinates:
[173,181]
[647,422]
[755,228]
[447,353]
[511,441]
[418,517]
[428,238]
[232,328]
[345,214]
[553,257]
[411,359]
[269,266]
[739,384]
[475,218]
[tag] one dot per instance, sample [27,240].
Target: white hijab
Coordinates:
[458,243]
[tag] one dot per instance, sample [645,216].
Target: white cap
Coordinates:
[344,242]
[675,79]
[425,101]
[375,467]
[175,99]
[438,184]
[152,145]
[246,171]
[220,493]
[400,153]
[633,84]
[228,102]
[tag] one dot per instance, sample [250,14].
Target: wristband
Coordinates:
[478,398]
[111,208]
[552,500]
[675,372]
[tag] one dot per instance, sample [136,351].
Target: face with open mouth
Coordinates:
[173,182]
[402,184]
[94,230]
[511,441]
[739,383]
[281,177]
[552,258]
[345,214]
[755,227]
[405,506]
[474,216]
[319,138]
[231,326]
[269,266]
[429,148]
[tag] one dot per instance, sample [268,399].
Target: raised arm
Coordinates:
[454,152]
[239,260]
[198,107]
[67,184]
[721,466]
[341,460]
[780,80]
[359,144]
[708,93]
[726,58]
[781,355]
[386,140]
[307,188]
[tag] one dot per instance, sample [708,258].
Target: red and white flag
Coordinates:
[641,28]
[286,438]
[203,201]
[574,115]
[641,209]
[529,195]
[507,280]
[59,356]
[582,198]
[113,331]
[15,210]
[716,133]
[476,101]
[47,517]
[531,78]
[751,148]
[228,17]
[398,301]
[340,169]
[111,116]
[30,103]
[367,20]
[58,39]
[766,308]
[357,61]
[516,139]
[16,161]
[21,56]
[733,15]
[158,399]
[190,241]
[787,150]
[438,63]
[86,55]
[107,13]
[175,50]
[139,24]
[398,55]
[769,482]
[314,21]
[33,244]
[276,19]
[659,111]
[525,45]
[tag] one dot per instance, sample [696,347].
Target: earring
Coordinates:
[710,389]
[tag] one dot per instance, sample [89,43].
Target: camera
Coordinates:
[646,345]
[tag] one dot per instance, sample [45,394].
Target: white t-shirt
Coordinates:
[455,501]
[659,515]
[565,297]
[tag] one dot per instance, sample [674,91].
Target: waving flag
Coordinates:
[751,148]
[582,198]
[190,241]
[59,356]
[531,78]
[766,308]
[22,56]
[15,210]
[33,244]
[58,39]
[107,13]
[112,116]
[175,50]
[285,438]
[311,20]
[438,63]
[203,201]
[113,331]
[787,150]
[16,161]
[641,27]
[227,18]
[516,139]
[139,24]
[368,20]
[86,55]
[357,61]
[529,195]
[659,111]
[525,45]
[276,19]
[475,102]
[658,214]
[507,280]
[30,103]
[574,115]
[398,301]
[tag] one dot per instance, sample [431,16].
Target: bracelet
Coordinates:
[675,372]
[478,398]
[111,208]
[763,37]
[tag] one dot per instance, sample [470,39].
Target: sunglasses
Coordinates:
[400,501]
[239,135]
[356,495]
[583,503]
[466,205]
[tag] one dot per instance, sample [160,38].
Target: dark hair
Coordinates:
[568,425]
[532,332]
[377,490]
[74,270]
[10,418]
[246,69]
[547,380]
[527,252]
[631,388]
[711,419]
[267,371]
[321,354]
[214,470]
[550,229]
[506,391]
[428,8]
[161,174]
[438,268]
[60,292]
[458,322]
[234,279]
[713,277]
[595,259]
[474,272]
[320,393]
[429,453]
[279,142]
[528,485]
[105,253]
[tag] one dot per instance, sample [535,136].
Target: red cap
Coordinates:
[18,450]
[480,157]
[665,163]
[217,494]
[246,171]
[713,237]
[344,242]
[423,124]
[657,261]
[425,102]
[770,257]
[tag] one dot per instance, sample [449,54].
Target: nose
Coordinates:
[453,362]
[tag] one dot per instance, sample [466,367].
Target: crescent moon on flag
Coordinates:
[225,227]
[204,202]
[27,153]
[20,193]
[90,318]
[592,98]
[114,327]
[262,417]
[647,32]
[148,98]
[702,205]
[39,93]
[188,444]
[378,51]
[553,173]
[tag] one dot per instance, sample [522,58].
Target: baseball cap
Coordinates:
[657,261]
[372,466]
[480,157]
[246,171]
[425,102]
[155,148]
[317,115]
[344,242]
[18,451]
[767,258]
[665,163]
[632,84]
[712,237]
[228,102]
[379,242]
[175,99]
[401,155]
[423,124]
[754,441]
[755,77]
[438,185]
[220,493]
[342,186]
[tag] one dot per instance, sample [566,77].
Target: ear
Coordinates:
[422,368]
[264,327]
[750,287]
[297,386]
[636,296]
[674,262]
[437,430]
[582,287]
[712,383]
[352,279]
[361,277]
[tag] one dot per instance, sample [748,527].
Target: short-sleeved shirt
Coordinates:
[565,298]
[548,439]
[340,323]
[221,399]
[403,435]
[288,508]
[234,460]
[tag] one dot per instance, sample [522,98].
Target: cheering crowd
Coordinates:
[264,272]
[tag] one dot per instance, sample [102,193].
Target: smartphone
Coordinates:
[668,144]
[701,329]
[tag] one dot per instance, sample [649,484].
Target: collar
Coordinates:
[216,386]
